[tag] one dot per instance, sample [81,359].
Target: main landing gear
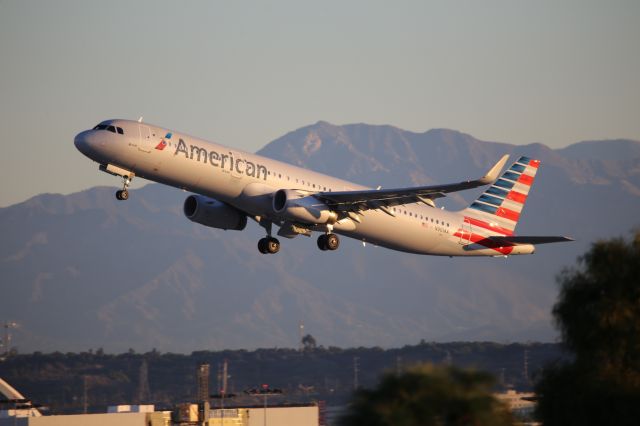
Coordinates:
[123,194]
[269,245]
[328,242]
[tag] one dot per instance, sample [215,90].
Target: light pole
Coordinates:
[264,391]
[7,337]
[221,396]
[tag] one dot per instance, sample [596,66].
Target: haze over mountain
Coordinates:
[86,271]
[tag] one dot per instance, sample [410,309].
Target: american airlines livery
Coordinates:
[233,185]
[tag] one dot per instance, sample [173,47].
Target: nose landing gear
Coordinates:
[123,194]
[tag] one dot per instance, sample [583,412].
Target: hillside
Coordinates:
[84,270]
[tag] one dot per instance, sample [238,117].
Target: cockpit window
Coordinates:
[112,129]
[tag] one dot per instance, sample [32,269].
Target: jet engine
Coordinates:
[301,207]
[216,214]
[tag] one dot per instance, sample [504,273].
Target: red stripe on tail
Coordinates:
[517,197]
[508,214]
[486,225]
[525,179]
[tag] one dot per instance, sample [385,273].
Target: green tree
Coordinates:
[598,315]
[427,395]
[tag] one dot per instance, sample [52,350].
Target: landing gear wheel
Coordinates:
[332,242]
[322,242]
[262,245]
[268,245]
[328,242]
[123,194]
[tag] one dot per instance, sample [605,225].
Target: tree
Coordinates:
[427,395]
[598,315]
[308,343]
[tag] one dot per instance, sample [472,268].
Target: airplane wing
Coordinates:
[382,199]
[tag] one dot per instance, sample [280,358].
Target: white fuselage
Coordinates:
[246,181]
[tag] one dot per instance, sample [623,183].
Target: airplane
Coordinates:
[229,186]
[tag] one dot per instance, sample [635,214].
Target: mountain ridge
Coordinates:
[84,270]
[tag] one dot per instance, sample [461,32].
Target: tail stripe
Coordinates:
[516,196]
[491,200]
[508,214]
[490,226]
[484,207]
[525,179]
[497,191]
[504,184]
[511,176]
[518,167]
[512,205]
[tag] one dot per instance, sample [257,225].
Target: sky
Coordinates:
[246,73]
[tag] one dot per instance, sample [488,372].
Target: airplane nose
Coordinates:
[85,143]
[82,143]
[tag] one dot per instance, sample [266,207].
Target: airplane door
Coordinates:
[145,137]
[465,234]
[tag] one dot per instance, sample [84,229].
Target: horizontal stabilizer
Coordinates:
[528,240]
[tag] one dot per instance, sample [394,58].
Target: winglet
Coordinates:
[493,173]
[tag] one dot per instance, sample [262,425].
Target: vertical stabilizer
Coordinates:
[498,209]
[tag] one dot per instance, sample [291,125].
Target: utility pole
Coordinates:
[223,389]
[398,365]
[525,366]
[356,385]
[144,393]
[301,335]
[85,394]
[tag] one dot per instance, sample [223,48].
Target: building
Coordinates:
[299,415]
[107,419]
[520,403]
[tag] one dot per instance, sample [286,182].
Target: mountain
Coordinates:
[86,271]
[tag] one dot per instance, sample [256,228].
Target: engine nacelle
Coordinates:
[300,207]
[216,214]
